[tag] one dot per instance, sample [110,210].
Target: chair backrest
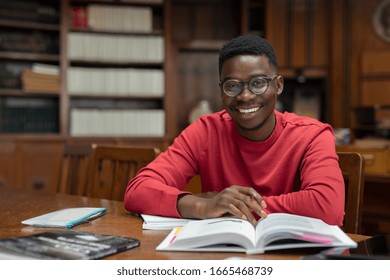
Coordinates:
[74,171]
[352,167]
[112,166]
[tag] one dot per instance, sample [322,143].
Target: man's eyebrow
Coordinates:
[251,77]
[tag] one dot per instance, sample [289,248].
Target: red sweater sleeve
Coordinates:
[322,192]
[156,187]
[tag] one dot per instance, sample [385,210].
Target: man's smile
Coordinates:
[248,110]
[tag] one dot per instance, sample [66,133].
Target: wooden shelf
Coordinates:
[97,31]
[114,63]
[33,57]
[22,93]
[135,97]
[29,25]
[120,2]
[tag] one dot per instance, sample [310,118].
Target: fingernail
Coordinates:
[263,204]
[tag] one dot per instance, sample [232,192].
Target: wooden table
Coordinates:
[17,205]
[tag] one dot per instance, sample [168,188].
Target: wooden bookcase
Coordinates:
[137,51]
[114,69]
[30,32]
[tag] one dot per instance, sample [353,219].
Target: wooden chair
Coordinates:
[74,171]
[352,167]
[112,167]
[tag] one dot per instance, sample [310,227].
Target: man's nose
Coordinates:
[246,94]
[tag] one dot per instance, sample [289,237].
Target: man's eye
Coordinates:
[232,85]
[258,83]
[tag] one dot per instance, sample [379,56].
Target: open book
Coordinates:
[277,231]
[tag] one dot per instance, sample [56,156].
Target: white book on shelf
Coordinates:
[45,69]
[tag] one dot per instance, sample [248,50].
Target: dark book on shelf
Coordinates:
[10,74]
[34,11]
[65,245]
[35,42]
[25,115]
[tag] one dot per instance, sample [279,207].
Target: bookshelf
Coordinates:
[114,69]
[29,34]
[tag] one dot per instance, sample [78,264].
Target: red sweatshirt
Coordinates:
[213,148]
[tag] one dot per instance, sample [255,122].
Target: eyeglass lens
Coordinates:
[257,85]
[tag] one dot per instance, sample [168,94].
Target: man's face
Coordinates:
[253,114]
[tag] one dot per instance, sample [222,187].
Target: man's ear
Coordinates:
[280,84]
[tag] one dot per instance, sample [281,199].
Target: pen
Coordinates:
[95,214]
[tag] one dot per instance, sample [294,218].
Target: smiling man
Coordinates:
[247,155]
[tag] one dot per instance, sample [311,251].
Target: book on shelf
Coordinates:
[45,69]
[277,231]
[162,223]
[117,122]
[123,18]
[65,245]
[116,82]
[30,114]
[115,48]
[10,74]
[79,17]
[40,82]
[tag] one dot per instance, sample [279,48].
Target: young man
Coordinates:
[247,155]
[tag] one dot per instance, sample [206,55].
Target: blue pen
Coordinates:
[97,213]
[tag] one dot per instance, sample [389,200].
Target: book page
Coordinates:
[216,231]
[283,226]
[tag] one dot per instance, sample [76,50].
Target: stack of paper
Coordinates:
[162,223]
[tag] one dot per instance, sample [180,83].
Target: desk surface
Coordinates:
[17,205]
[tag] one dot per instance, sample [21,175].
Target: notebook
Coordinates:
[162,223]
[66,218]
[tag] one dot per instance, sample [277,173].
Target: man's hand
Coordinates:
[235,200]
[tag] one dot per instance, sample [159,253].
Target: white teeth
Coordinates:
[248,111]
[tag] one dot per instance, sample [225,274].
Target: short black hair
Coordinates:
[248,45]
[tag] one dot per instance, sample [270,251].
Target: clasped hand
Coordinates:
[237,201]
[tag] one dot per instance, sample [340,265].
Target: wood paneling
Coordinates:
[319,34]
[43,172]
[276,30]
[299,34]
[299,31]
[376,64]
[375,92]
[30,164]
[8,164]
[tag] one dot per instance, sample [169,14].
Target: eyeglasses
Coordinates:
[257,85]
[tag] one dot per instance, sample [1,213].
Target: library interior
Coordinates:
[77,74]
